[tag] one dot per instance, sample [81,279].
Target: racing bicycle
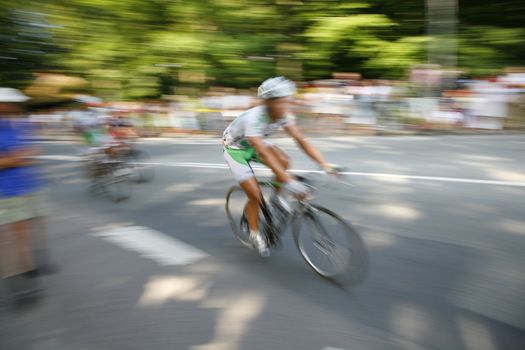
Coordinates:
[330,245]
[109,176]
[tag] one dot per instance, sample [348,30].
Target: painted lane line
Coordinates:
[352,173]
[60,157]
[438,178]
[152,244]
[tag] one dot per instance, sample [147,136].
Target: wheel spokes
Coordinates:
[325,243]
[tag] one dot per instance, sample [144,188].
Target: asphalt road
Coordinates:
[443,219]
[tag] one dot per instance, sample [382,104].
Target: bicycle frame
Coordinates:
[276,229]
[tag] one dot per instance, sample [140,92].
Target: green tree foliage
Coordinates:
[26,43]
[140,49]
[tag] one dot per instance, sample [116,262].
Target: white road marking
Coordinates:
[60,157]
[204,142]
[355,173]
[63,142]
[152,244]
[352,173]
[438,178]
[187,142]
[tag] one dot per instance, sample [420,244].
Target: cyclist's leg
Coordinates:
[252,190]
[281,157]
[238,162]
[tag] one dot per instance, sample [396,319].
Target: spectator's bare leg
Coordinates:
[40,245]
[22,233]
[8,254]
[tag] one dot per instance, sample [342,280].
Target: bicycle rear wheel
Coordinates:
[331,246]
[235,204]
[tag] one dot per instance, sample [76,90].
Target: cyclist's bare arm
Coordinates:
[269,159]
[17,158]
[306,146]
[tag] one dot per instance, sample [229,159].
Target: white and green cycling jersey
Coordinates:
[253,122]
[237,150]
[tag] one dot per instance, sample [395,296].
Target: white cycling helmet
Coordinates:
[276,88]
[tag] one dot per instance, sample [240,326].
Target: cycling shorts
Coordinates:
[239,159]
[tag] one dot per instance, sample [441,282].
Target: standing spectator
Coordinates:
[20,185]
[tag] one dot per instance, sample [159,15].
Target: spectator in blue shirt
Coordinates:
[19,199]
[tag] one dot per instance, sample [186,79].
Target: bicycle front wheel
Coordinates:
[118,186]
[331,246]
[140,165]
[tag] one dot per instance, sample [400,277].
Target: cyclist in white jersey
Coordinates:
[243,142]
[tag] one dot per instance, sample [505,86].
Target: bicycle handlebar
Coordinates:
[316,179]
